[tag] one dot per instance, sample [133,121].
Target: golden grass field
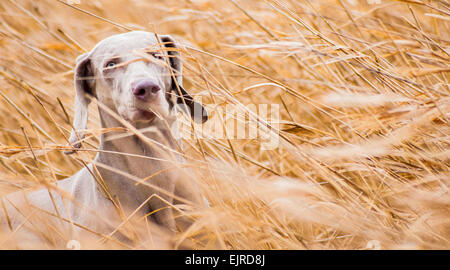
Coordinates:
[363,91]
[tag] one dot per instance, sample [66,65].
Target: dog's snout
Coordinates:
[145,90]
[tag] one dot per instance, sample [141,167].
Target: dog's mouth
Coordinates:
[146,114]
[140,115]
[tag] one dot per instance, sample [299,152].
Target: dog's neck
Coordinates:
[154,139]
[124,159]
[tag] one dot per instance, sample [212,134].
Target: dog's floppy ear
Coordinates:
[184,100]
[84,85]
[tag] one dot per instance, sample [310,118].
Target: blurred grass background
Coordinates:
[363,90]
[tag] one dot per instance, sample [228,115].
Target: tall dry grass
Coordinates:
[363,90]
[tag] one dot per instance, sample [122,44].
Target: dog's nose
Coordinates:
[145,90]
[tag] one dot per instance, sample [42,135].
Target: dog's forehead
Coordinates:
[124,44]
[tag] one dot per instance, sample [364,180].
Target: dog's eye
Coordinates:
[110,64]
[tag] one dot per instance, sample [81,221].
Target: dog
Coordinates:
[135,79]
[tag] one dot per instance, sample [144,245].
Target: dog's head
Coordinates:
[136,75]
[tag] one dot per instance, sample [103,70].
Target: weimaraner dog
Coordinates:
[136,80]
